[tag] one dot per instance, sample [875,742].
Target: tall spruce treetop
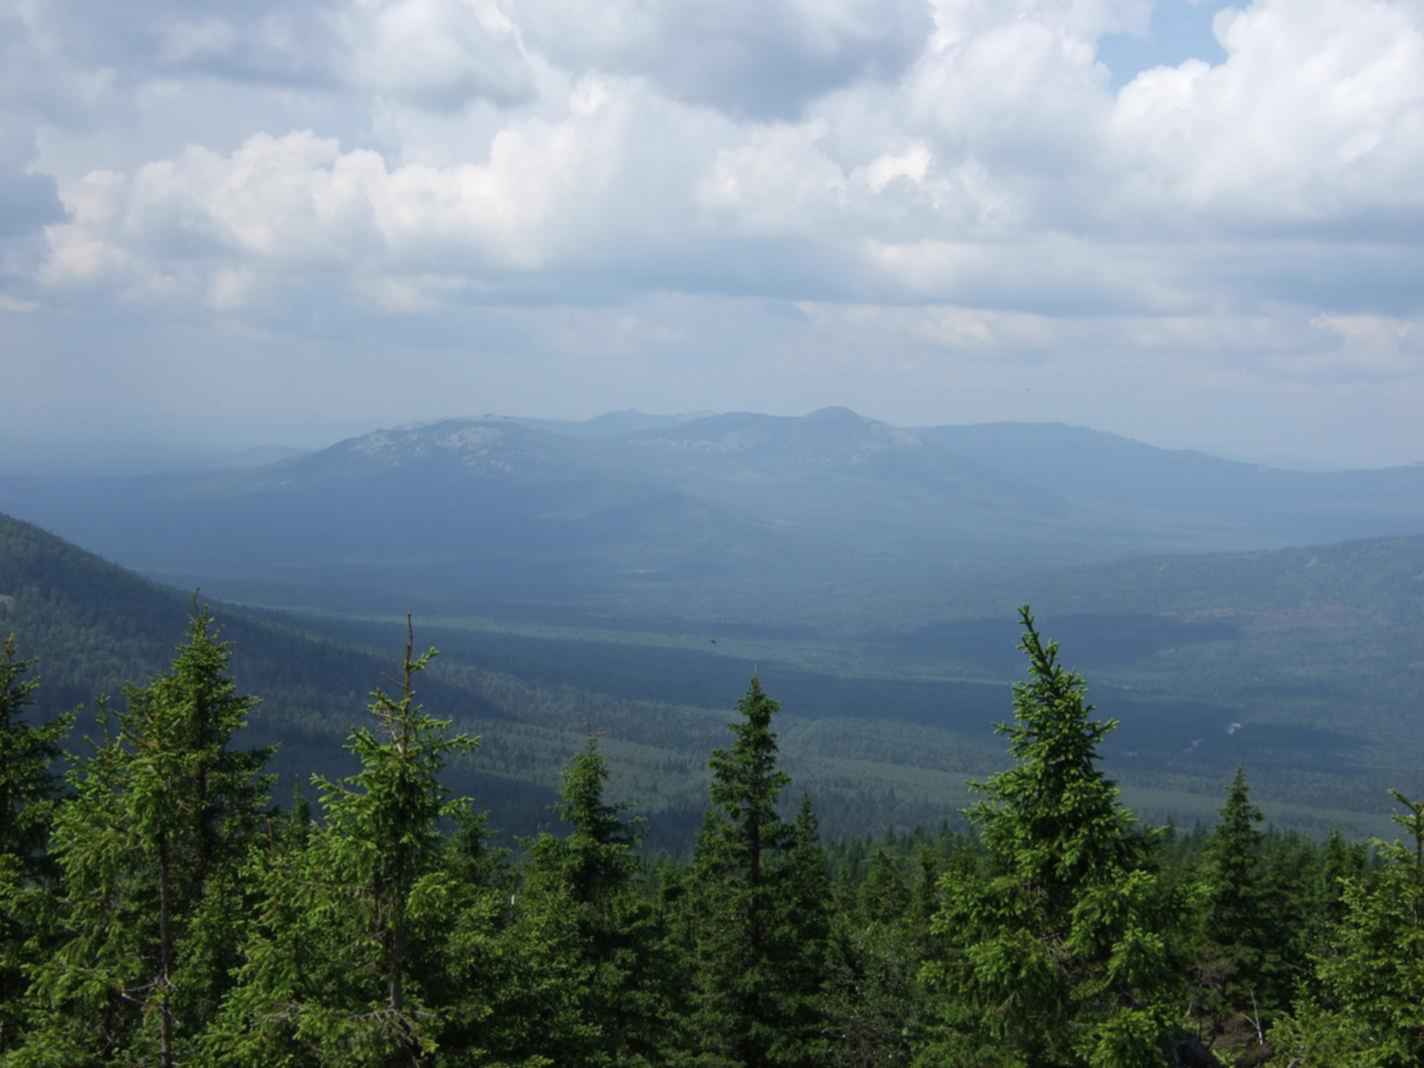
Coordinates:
[756,1004]
[1236,900]
[582,916]
[1054,818]
[1234,855]
[597,858]
[1058,957]
[385,828]
[1244,924]
[1369,1008]
[190,787]
[747,781]
[336,967]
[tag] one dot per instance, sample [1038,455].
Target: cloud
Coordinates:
[904,186]
[27,202]
[441,52]
[762,59]
[998,168]
[1313,125]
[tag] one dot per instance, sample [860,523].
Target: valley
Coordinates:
[625,577]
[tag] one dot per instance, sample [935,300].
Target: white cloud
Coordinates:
[960,176]
[439,50]
[1314,123]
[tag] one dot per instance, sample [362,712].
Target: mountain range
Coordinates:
[831,518]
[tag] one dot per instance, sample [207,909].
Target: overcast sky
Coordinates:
[1191,223]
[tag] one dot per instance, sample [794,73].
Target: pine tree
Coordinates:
[160,814]
[1059,956]
[29,790]
[753,919]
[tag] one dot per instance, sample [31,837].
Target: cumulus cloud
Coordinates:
[1314,124]
[962,180]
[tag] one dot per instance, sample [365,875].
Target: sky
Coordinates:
[1192,223]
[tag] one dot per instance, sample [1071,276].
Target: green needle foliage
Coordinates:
[160,814]
[758,908]
[158,913]
[1059,955]
[1369,1009]
[28,795]
[346,921]
[593,876]
[1249,961]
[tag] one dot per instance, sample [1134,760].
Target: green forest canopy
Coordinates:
[156,908]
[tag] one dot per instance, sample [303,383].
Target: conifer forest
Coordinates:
[712,534]
[161,905]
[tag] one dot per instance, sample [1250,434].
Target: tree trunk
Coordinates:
[165,956]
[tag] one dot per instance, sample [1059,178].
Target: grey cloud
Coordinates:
[27,202]
[447,59]
[751,58]
[636,232]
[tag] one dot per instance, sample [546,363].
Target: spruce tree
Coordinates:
[608,957]
[805,904]
[1059,955]
[1367,1009]
[1239,939]
[29,790]
[351,920]
[754,918]
[161,813]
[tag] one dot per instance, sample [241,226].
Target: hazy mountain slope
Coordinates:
[1376,578]
[1219,499]
[1197,693]
[829,518]
[834,466]
[1327,637]
[611,424]
[94,626]
[476,503]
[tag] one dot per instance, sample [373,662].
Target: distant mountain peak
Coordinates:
[836,414]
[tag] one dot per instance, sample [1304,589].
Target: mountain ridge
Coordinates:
[831,515]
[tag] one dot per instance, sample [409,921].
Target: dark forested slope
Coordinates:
[1314,680]
[94,626]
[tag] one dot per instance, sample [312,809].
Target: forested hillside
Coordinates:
[92,627]
[885,730]
[156,909]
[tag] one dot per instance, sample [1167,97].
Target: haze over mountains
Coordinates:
[869,571]
[829,518]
